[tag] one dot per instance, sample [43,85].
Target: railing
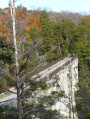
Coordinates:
[50,75]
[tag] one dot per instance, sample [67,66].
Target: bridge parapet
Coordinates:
[67,72]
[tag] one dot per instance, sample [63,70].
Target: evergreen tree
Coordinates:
[81,47]
[68,30]
[47,32]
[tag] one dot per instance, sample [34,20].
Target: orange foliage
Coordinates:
[33,21]
[87,16]
[21,12]
[24,21]
[26,28]
[3,29]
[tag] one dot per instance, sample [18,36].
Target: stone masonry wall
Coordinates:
[67,71]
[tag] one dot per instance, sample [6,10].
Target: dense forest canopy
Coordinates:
[57,34]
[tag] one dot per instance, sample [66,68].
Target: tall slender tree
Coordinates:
[17,80]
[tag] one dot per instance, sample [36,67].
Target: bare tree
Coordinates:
[21,73]
[18,82]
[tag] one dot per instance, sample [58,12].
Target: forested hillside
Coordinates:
[46,36]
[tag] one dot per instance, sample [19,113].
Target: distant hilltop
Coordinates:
[53,15]
[4,11]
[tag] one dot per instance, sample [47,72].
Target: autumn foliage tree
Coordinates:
[33,20]
[4,30]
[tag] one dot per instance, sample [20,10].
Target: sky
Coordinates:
[78,6]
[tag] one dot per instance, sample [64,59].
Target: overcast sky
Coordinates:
[54,5]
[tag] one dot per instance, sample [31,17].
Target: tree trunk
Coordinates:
[23,102]
[19,107]
[18,83]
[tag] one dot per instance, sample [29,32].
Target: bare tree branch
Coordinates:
[11,91]
[8,100]
[29,68]
[7,74]
[23,78]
